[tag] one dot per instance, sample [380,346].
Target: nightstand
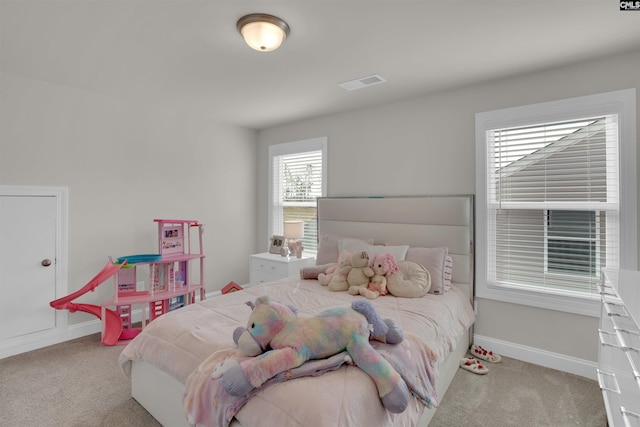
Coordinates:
[268,267]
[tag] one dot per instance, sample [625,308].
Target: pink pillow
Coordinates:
[433,259]
[328,248]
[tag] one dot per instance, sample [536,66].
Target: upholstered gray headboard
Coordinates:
[421,221]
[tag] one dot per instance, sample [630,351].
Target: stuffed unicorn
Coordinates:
[282,341]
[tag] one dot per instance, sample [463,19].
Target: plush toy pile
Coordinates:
[356,273]
[281,341]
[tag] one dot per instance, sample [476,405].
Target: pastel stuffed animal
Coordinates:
[382,265]
[293,340]
[325,278]
[334,271]
[357,274]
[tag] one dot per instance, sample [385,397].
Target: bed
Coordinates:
[161,359]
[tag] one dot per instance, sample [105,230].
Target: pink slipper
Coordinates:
[473,365]
[483,354]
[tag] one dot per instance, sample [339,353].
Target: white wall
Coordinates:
[426,146]
[126,163]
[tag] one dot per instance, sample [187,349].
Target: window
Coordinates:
[297,172]
[556,200]
[571,243]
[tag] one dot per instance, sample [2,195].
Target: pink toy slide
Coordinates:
[113,323]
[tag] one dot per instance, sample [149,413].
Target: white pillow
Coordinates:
[328,248]
[352,245]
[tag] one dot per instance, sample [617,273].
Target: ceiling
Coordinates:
[188,53]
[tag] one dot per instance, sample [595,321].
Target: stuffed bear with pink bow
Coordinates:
[382,266]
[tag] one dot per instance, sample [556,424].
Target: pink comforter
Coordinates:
[207,404]
[179,342]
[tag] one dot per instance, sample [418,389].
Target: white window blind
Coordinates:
[553,204]
[556,188]
[298,179]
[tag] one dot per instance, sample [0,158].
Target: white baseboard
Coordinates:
[30,342]
[561,362]
[548,359]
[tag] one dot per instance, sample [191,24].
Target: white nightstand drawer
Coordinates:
[264,277]
[269,266]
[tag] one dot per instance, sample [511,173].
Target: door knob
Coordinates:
[46,262]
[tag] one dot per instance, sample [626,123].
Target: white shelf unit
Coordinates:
[619,350]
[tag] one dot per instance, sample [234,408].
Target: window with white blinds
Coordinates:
[297,172]
[548,184]
[549,190]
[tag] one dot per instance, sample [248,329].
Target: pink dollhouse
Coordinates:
[159,282]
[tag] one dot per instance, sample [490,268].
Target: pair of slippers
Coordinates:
[486,355]
[472,364]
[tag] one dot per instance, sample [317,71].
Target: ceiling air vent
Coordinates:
[363,82]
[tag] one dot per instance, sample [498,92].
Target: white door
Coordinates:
[29,228]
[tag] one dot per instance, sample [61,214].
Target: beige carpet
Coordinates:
[516,393]
[79,383]
[73,384]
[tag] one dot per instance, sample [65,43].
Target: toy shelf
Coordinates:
[160,282]
[144,297]
[182,283]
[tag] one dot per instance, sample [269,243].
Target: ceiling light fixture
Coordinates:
[263,32]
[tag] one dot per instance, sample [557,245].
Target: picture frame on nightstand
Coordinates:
[277,243]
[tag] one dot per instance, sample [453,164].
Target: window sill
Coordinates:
[585,306]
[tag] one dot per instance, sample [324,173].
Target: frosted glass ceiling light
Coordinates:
[263,32]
